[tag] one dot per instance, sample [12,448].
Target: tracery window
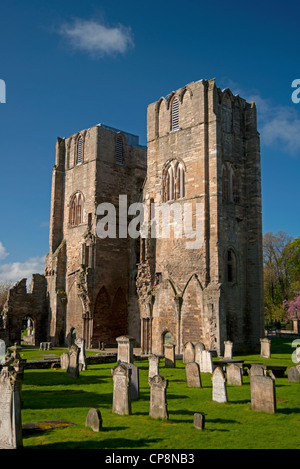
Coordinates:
[174,181]
[76,209]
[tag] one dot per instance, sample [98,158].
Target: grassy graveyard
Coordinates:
[50,395]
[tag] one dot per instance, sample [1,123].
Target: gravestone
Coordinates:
[199,420]
[294,374]
[10,409]
[263,394]
[219,391]
[265,348]
[2,351]
[80,342]
[234,374]
[228,350]
[158,399]
[169,352]
[256,370]
[64,361]
[73,368]
[188,353]
[198,351]
[134,380]
[94,420]
[16,360]
[153,366]
[206,362]
[125,348]
[121,392]
[193,376]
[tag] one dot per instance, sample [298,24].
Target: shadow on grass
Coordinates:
[113,443]
[64,399]
[58,377]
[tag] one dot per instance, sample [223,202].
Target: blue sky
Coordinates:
[69,65]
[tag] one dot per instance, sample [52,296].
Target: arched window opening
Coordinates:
[119,151]
[231,266]
[79,153]
[235,187]
[174,181]
[76,210]
[225,183]
[175,114]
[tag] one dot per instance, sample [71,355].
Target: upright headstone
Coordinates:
[134,380]
[73,368]
[263,396]
[206,362]
[188,353]
[294,374]
[158,398]
[94,420]
[199,347]
[121,392]
[153,366]
[228,349]
[219,390]
[169,352]
[256,370]
[10,409]
[64,361]
[2,351]
[80,342]
[125,348]
[234,374]
[193,376]
[16,360]
[199,420]
[265,348]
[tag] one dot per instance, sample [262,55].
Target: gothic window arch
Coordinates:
[79,151]
[174,181]
[230,184]
[231,266]
[175,114]
[119,150]
[76,210]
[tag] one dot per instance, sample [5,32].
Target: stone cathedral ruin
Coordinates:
[203,150]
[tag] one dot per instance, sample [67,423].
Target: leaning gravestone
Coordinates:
[263,394]
[169,351]
[153,366]
[10,409]
[188,353]
[80,342]
[64,361]
[94,420]
[121,392]
[198,351]
[206,362]
[228,350]
[158,399]
[294,374]
[265,348]
[73,368]
[234,374]
[134,380]
[2,351]
[125,348]
[193,376]
[219,391]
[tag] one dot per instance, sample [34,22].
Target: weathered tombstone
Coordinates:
[263,394]
[134,380]
[16,360]
[2,351]
[73,368]
[228,350]
[10,409]
[125,348]
[199,420]
[219,391]
[64,361]
[80,342]
[256,370]
[94,420]
[193,376]
[121,392]
[169,352]
[188,353]
[153,366]
[198,353]
[158,399]
[265,348]
[234,374]
[206,362]
[294,374]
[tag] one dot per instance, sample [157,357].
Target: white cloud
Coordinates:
[16,271]
[278,125]
[3,252]
[96,38]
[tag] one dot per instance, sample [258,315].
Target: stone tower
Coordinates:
[91,280]
[203,156]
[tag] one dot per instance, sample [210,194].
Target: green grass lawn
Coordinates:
[50,395]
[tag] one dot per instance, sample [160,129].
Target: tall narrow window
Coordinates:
[76,210]
[79,153]
[235,187]
[231,266]
[174,181]
[175,114]
[119,150]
